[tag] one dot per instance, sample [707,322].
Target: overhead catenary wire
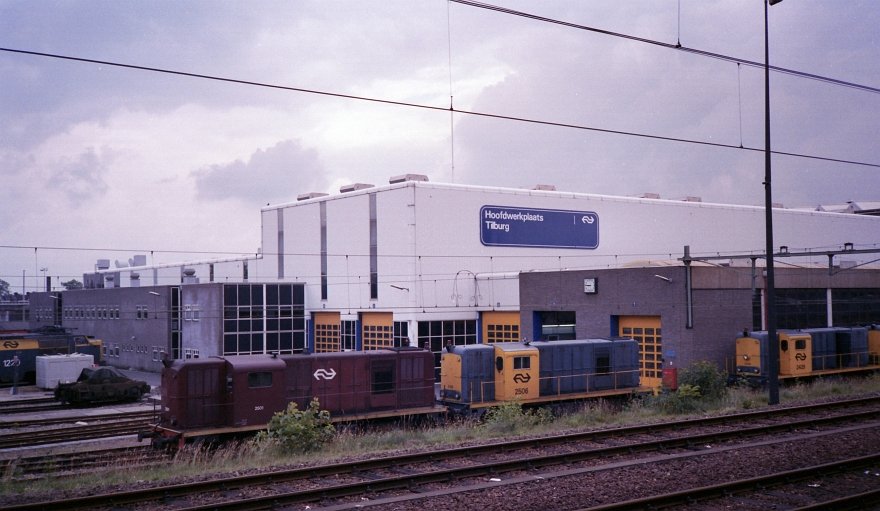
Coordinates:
[451,108]
[539,263]
[553,256]
[676,46]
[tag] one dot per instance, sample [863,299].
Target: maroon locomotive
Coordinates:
[219,396]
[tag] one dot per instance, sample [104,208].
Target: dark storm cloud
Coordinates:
[276,174]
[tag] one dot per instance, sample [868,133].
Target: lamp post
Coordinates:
[773,342]
[155,306]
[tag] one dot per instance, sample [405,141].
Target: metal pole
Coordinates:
[770,289]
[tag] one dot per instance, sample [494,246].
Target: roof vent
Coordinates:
[103,264]
[650,195]
[189,276]
[692,198]
[310,195]
[546,188]
[408,177]
[354,187]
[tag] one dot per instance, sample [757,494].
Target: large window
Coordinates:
[401,334]
[175,322]
[801,308]
[348,335]
[374,250]
[855,307]
[434,335]
[263,318]
[557,325]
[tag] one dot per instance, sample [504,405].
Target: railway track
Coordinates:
[414,477]
[114,425]
[63,464]
[30,405]
[785,489]
[48,421]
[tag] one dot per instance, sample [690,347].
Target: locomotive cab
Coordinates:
[255,387]
[795,354]
[516,371]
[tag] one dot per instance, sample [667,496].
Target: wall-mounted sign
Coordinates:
[527,227]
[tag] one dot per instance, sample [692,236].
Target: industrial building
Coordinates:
[414,262]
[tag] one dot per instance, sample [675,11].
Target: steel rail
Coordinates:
[717,491]
[685,441]
[32,408]
[410,481]
[48,421]
[40,467]
[75,433]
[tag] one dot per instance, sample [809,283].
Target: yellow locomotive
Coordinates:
[479,376]
[809,352]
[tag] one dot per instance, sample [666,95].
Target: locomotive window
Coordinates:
[259,380]
[800,344]
[603,364]
[383,381]
[783,345]
[522,362]
[499,363]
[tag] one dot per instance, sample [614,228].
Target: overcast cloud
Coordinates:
[99,161]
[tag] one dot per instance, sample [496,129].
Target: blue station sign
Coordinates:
[526,227]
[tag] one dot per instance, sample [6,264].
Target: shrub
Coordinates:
[685,400]
[299,431]
[710,383]
[510,417]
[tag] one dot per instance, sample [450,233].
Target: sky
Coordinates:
[102,161]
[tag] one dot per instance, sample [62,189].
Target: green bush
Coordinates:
[700,386]
[710,382]
[687,399]
[299,431]
[510,417]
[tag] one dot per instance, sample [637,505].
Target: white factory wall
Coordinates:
[429,242]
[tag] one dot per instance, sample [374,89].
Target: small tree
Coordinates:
[295,430]
[72,284]
[4,290]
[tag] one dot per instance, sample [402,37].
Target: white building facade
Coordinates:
[429,263]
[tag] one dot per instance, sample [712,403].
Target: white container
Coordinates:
[55,369]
